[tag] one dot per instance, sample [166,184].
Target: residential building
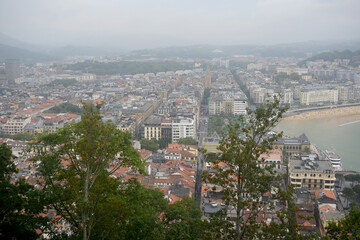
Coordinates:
[308,173]
[290,70]
[12,70]
[291,146]
[157,127]
[320,95]
[16,124]
[183,127]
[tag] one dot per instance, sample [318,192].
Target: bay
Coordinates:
[341,133]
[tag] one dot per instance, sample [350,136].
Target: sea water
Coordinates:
[341,133]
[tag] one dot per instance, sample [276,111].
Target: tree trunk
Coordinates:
[85,211]
[238,210]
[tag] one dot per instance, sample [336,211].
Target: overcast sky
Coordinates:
[154,23]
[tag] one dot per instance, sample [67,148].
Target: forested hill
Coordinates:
[127,67]
[331,56]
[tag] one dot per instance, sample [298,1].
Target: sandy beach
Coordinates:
[344,111]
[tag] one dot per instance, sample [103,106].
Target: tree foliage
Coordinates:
[128,67]
[20,203]
[187,141]
[347,228]
[64,108]
[75,165]
[331,56]
[205,99]
[151,145]
[18,136]
[182,220]
[352,177]
[63,82]
[238,174]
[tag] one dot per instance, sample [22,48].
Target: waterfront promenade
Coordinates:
[317,113]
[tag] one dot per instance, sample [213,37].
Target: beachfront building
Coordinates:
[307,172]
[319,95]
[293,146]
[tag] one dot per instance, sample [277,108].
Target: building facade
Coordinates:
[312,96]
[183,128]
[12,70]
[307,173]
[16,124]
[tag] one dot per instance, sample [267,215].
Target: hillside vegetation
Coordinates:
[126,67]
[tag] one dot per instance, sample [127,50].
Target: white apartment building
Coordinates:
[287,96]
[318,95]
[240,107]
[182,128]
[16,124]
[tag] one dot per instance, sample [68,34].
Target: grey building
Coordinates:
[12,70]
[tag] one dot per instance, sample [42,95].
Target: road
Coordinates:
[202,133]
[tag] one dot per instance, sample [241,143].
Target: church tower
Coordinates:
[208,77]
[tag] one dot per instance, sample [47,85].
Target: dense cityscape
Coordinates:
[186,142]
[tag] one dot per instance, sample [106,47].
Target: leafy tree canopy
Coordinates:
[347,228]
[150,145]
[65,108]
[75,165]
[243,181]
[187,141]
[64,82]
[128,67]
[20,203]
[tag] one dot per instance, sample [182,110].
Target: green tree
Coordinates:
[205,99]
[294,76]
[20,203]
[352,177]
[150,145]
[18,136]
[76,163]
[356,190]
[243,181]
[163,142]
[132,213]
[187,141]
[65,108]
[182,220]
[63,82]
[347,228]
[349,194]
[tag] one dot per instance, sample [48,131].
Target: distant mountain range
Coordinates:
[26,56]
[353,56]
[13,48]
[278,50]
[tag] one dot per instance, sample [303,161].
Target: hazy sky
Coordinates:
[154,23]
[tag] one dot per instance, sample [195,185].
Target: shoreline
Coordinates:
[325,113]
